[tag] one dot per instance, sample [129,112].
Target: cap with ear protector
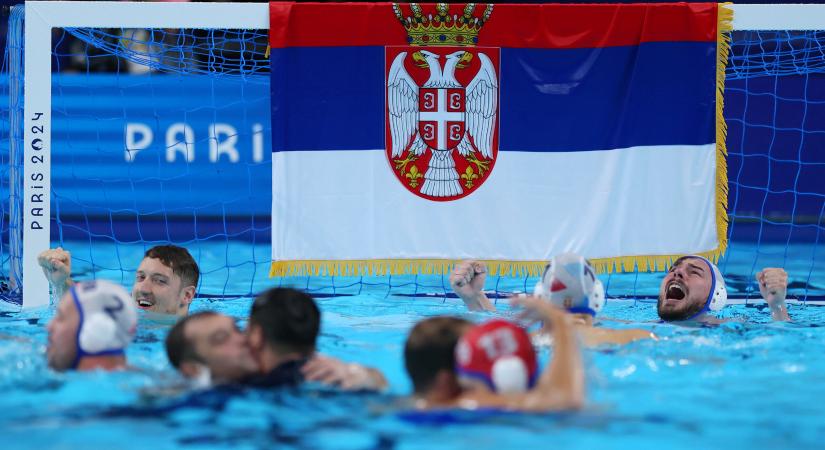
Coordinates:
[570,282]
[498,353]
[107,318]
[718,295]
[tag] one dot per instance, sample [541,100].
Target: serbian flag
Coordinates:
[408,136]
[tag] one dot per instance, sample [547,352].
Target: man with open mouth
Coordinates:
[692,290]
[694,287]
[568,282]
[165,280]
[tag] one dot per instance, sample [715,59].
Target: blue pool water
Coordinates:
[754,384]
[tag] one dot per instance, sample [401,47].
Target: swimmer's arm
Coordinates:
[625,336]
[594,337]
[467,280]
[611,319]
[9,337]
[779,313]
[378,381]
[347,376]
[57,267]
[773,285]
[561,385]
[479,302]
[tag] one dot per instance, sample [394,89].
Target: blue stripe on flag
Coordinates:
[606,103]
[328,98]
[332,98]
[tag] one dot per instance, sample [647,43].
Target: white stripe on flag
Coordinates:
[653,200]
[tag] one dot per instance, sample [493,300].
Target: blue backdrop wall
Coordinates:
[199,149]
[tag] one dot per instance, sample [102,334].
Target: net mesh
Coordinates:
[183,51]
[5,164]
[11,95]
[180,123]
[775,111]
[162,135]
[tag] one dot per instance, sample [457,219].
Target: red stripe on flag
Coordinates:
[526,26]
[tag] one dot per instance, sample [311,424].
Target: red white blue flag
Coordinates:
[407,136]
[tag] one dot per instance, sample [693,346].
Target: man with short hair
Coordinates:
[165,280]
[278,348]
[209,348]
[430,360]
[283,327]
[93,324]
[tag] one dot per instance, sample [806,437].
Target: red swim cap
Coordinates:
[500,354]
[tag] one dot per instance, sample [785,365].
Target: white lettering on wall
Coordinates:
[217,147]
[257,142]
[174,144]
[180,138]
[138,137]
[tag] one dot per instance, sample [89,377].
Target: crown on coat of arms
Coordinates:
[442,28]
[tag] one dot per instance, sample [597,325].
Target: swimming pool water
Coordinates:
[754,384]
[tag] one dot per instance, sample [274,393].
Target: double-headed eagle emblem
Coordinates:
[442,114]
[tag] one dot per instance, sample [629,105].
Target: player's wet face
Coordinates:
[158,289]
[221,347]
[62,341]
[685,289]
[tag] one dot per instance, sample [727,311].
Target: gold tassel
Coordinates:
[384,267]
[724,27]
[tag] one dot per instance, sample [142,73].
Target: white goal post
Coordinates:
[40,19]
[42,16]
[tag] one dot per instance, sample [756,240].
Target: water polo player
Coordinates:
[568,281]
[694,288]
[492,367]
[165,280]
[94,323]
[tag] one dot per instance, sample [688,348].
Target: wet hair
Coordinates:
[179,349]
[289,319]
[179,260]
[430,348]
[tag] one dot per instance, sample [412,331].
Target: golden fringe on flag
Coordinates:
[724,26]
[382,267]
[642,263]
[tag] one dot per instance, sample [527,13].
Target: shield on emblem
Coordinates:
[441,117]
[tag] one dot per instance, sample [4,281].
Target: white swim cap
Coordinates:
[718,295]
[570,282]
[108,318]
